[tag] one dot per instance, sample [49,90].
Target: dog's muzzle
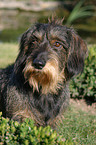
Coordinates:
[43,73]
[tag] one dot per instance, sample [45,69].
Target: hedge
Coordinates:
[84,86]
[26,133]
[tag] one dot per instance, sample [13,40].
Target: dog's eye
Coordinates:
[57,44]
[34,42]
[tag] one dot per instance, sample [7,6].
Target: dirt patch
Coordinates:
[81,104]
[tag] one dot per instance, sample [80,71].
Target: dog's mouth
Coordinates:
[47,77]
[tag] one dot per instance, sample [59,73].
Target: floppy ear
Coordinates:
[21,57]
[77,53]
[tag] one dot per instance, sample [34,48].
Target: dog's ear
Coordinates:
[23,40]
[77,53]
[21,57]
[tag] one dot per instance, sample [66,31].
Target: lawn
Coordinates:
[8,53]
[78,126]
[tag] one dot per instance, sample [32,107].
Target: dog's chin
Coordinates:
[49,79]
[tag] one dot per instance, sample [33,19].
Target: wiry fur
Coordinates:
[36,85]
[50,74]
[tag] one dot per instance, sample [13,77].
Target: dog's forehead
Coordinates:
[39,30]
[50,30]
[58,31]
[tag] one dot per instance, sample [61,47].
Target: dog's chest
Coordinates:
[48,106]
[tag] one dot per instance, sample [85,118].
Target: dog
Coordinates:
[37,85]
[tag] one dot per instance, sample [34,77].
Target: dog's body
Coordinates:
[36,85]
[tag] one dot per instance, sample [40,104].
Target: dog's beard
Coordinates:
[49,78]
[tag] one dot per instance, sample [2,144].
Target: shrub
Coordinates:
[84,86]
[13,133]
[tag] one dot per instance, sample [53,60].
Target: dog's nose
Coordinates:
[39,64]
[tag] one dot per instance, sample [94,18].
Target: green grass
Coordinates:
[77,127]
[8,53]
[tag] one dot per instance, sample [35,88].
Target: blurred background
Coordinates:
[16,16]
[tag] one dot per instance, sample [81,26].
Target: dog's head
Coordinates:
[49,55]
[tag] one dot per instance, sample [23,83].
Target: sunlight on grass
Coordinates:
[79,127]
[8,53]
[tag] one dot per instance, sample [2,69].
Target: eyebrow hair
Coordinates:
[55,35]
[38,34]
